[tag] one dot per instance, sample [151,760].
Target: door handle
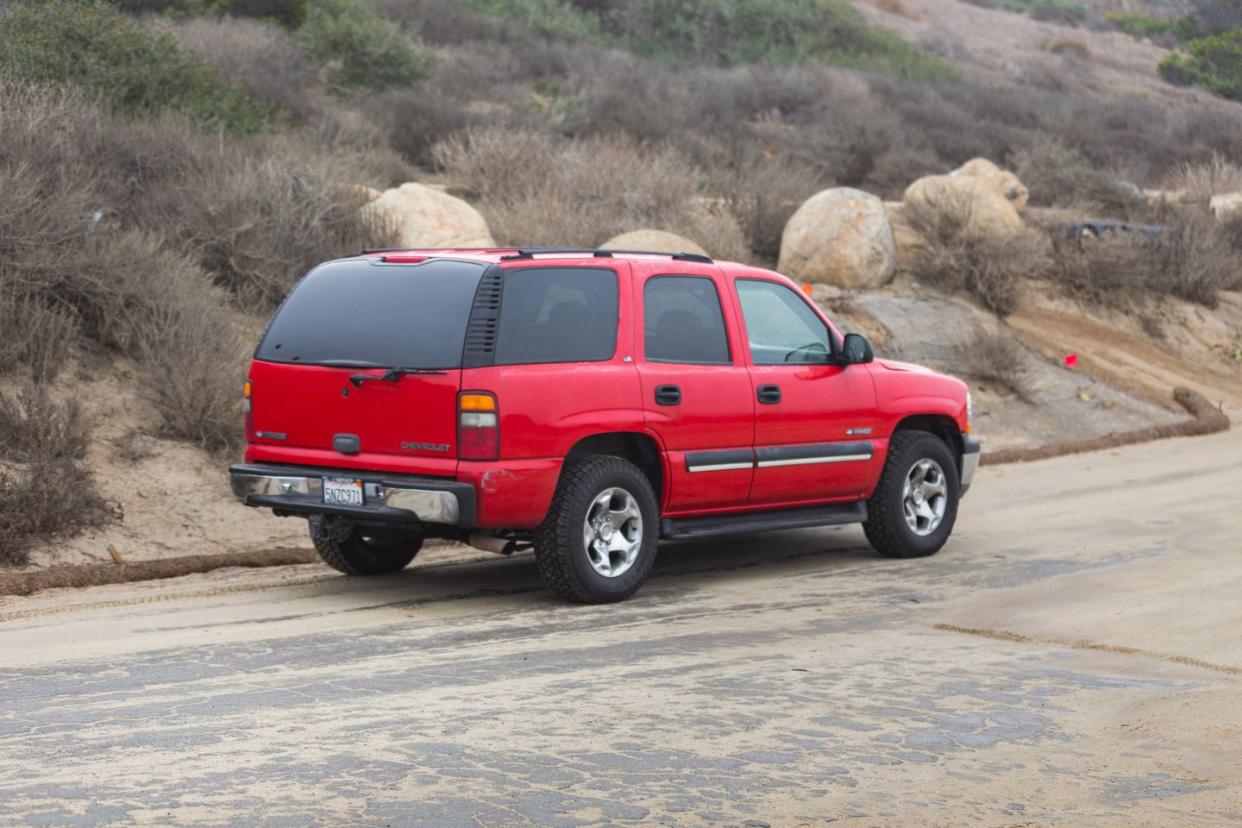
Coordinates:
[668,395]
[769,394]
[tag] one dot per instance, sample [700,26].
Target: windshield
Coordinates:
[366,313]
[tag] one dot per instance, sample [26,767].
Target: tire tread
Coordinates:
[554,549]
[882,531]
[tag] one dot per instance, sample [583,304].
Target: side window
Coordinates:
[780,326]
[683,322]
[557,314]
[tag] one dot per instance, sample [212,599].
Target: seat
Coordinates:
[680,336]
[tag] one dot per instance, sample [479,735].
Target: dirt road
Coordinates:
[1074,657]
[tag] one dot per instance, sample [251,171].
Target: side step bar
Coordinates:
[835,515]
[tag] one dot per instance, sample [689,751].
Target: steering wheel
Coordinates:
[806,351]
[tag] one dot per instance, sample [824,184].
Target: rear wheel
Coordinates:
[912,511]
[598,543]
[362,550]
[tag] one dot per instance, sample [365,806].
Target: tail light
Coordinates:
[478,426]
[247,391]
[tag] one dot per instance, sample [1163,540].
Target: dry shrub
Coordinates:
[1057,175]
[997,358]
[415,119]
[74,265]
[1203,180]
[1068,47]
[51,492]
[761,193]
[194,360]
[1189,260]
[898,8]
[1231,233]
[36,338]
[50,498]
[257,223]
[536,189]
[989,269]
[262,58]
[35,427]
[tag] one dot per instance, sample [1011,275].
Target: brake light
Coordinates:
[247,391]
[478,426]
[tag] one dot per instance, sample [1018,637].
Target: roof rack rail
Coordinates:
[603,253]
[371,251]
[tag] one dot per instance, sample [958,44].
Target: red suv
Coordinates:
[588,403]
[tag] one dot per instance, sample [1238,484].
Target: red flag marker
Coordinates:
[1071,360]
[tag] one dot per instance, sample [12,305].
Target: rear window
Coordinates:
[368,313]
[558,314]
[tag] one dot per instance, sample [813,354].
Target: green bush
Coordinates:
[288,13]
[362,48]
[1214,63]
[550,17]
[91,44]
[1142,25]
[727,32]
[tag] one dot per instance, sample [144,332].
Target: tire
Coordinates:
[595,492]
[357,550]
[890,512]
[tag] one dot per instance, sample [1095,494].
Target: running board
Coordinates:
[682,529]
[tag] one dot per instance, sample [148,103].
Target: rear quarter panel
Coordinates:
[544,410]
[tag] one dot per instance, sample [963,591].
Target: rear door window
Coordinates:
[557,314]
[358,313]
[683,322]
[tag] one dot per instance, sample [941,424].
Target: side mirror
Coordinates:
[856,350]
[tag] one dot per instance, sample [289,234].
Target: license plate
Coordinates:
[342,491]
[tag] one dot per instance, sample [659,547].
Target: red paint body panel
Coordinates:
[716,411]
[511,494]
[545,410]
[309,404]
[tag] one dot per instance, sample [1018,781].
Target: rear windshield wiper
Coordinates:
[391,375]
[348,363]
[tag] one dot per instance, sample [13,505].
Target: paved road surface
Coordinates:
[1073,657]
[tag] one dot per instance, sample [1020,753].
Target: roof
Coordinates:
[499,254]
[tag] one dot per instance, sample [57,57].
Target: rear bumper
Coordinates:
[390,498]
[971,449]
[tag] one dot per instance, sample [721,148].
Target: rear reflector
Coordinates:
[478,426]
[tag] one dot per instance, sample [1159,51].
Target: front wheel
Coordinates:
[912,511]
[358,550]
[598,543]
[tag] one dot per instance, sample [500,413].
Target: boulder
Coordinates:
[1003,181]
[974,203]
[839,237]
[1160,197]
[1227,207]
[364,193]
[657,241]
[904,235]
[427,217]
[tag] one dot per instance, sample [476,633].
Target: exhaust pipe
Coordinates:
[491,543]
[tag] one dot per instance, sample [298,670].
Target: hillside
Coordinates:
[170,175]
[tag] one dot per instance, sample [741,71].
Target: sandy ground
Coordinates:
[1072,657]
[174,497]
[1017,48]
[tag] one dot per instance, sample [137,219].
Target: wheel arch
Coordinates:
[941,425]
[640,449]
